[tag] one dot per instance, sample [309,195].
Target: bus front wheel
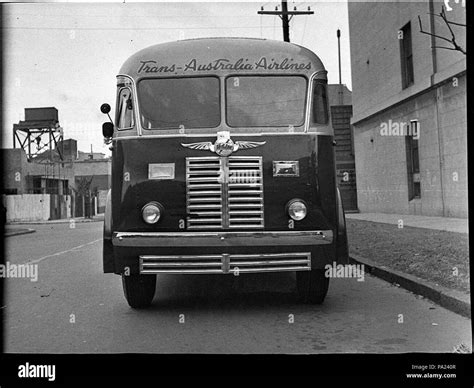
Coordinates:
[139,290]
[312,286]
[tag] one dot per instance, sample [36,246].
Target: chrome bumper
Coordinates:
[221,239]
[225,263]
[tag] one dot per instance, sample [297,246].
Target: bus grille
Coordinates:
[225,263]
[224,192]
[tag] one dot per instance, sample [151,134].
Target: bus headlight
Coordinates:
[296,209]
[152,212]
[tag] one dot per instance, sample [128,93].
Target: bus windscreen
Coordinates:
[265,101]
[179,102]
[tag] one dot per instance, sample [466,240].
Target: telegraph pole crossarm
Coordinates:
[279,13]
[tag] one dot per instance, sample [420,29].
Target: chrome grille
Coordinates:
[204,193]
[245,192]
[225,263]
[224,192]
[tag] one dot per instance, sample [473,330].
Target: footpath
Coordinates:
[428,256]
[23,227]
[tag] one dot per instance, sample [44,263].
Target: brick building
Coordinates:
[75,185]
[37,189]
[93,170]
[91,178]
[409,105]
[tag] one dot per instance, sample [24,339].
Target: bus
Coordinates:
[223,162]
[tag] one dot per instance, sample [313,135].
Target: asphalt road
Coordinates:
[74,308]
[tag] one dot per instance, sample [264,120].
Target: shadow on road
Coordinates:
[228,292]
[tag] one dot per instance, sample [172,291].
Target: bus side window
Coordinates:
[125,109]
[319,112]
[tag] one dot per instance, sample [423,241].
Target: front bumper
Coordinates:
[221,239]
[220,252]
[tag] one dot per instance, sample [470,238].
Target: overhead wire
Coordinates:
[132,29]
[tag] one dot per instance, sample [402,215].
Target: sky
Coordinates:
[67,55]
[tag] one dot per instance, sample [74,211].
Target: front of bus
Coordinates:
[222,163]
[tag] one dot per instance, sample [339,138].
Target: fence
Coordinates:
[37,207]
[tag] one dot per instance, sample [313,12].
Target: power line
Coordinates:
[15,15]
[132,29]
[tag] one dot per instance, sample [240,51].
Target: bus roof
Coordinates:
[222,56]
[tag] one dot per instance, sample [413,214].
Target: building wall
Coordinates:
[446,59]
[381,170]
[37,207]
[375,51]
[98,182]
[339,95]
[93,167]
[15,170]
[27,207]
[63,171]
[100,170]
[382,181]
[437,99]
[452,117]
[19,175]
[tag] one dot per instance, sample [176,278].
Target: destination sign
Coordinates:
[242,64]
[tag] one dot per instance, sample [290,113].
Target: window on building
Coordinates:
[413,164]
[52,186]
[66,190]
[406,55]
[37,189]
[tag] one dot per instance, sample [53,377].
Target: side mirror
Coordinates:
[105,108]
[107,130]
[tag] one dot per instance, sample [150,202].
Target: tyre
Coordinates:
[139,290]
[312,286]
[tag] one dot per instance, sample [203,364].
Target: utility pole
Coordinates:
[339,52]
[285,21]
[285,17]
[339,58]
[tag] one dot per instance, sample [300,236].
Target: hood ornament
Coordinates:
[224,145]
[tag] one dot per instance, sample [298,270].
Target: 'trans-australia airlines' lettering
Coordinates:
[218,64]
[241,64]
[286,64]
[153,67]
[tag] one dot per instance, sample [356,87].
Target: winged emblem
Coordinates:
[204,146]
[224,145]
